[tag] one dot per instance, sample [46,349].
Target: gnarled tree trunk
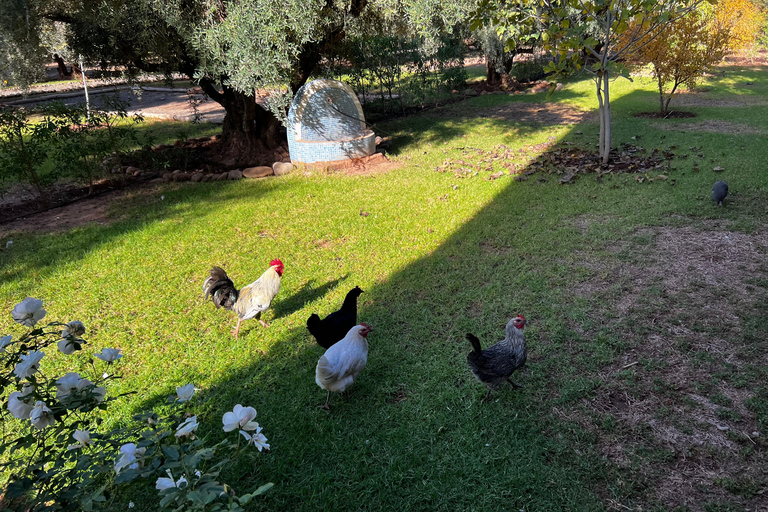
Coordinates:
[248,128]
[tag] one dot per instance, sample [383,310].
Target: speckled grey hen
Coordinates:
[494,365]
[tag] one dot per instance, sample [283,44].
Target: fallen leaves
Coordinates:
[563,159]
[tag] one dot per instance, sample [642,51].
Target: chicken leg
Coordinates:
[236,330]
[327,405]
[514,384]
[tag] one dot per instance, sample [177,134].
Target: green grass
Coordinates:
[439,256]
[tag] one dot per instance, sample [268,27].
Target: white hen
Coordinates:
[339,367]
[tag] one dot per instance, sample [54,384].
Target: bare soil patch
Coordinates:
[711,126]
[86,211]
[541,113]
[700,99]
[680,391]
[673,114]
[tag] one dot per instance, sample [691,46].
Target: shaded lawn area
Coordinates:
[646,304]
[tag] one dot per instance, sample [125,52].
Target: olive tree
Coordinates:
[230,48]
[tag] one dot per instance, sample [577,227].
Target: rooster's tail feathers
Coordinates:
[221,288]
[475,343]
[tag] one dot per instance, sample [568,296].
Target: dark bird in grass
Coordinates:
[494,365]
[336,325]
[719,191]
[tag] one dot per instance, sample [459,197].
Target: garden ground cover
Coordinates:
[646,379]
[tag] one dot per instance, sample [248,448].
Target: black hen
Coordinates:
[494,365]
[336,325]
[221,288]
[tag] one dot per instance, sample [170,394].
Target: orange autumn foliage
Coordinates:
[743,20]
[684,49]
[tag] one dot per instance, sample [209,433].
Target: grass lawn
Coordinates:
[645,386]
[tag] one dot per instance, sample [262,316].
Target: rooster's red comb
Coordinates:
[521,316]
[277,262]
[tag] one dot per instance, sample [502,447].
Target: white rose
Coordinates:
[41,416]
[29,364]
[109,354]
[28,312]
[128,456]
[187,428]
[18,407]
[240,417]
[67,384]
[184,393]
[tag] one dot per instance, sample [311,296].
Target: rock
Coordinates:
[157,180]
[258,172]
[167,176]
[207,177]
[182,176]
[282,168]
[198,176]
[471,92]
[222,176]
[137,173]
[236,174]
[177,171]
[130,170]
[483,93]
[559,86]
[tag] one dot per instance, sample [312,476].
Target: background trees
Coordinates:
[230,48]
[681,51]
[590,35]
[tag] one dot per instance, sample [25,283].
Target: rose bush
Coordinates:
[62,458]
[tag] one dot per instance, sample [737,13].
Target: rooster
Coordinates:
[339,367]
[494,365]
[336,325]
[248,302]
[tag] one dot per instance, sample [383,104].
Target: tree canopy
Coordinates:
[594,36]
[229,47]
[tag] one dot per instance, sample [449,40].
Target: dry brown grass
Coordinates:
[679,303]
[711,126]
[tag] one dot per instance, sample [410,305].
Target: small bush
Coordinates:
[71,140]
